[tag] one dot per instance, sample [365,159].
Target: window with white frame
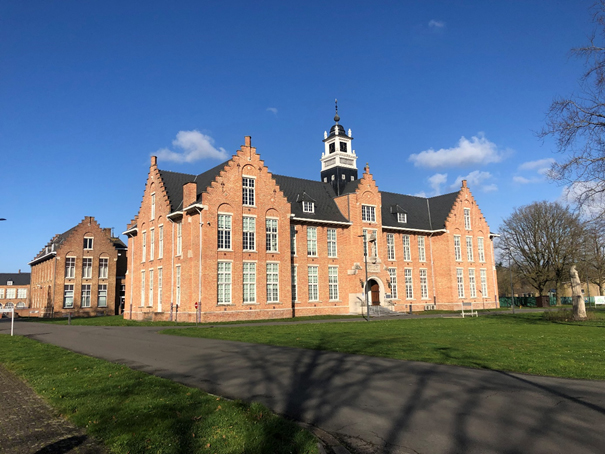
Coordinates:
[150,299]
[179,237]
[160,284]
[308,207]
[178,284]
[483,273]
[457,248]
[85,302]
[312,241]
[70,268]
[332,251]
[88,242]
[481,249]
[313,283]
[144,247]
[153,205]
[424,285]
[143,288]
[471,283]
[272,282]
[333,282]
[469,248]
[467,218]
[249,233]
[369,236]
[368,213]
[294,282]
[21,293]
[271,234]
[293,240]
[1,293]
[224,231]
[68,296]
[460,282]
[102,297]
[421,249]
[390,246]
[87,268]
[161,242]
[224,283]
[407,253]
[103,268]
[402,218]
[249,282]
[11,293]
[151,243]
[248,191]
[393,279]
[409,284]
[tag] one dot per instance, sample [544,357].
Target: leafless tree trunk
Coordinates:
[579,309]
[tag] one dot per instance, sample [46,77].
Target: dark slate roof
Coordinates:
[350,187]
[17,278]
[297,189]
[174,181]
[422,213]
[118,243]
[54,243]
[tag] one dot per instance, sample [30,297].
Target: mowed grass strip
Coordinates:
[132,412]
[525,343]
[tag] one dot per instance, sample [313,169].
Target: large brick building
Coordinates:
[81,271]
[247,244]
[14,291]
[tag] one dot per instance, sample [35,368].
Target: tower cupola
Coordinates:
[338,161]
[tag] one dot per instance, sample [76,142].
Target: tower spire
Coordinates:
[336,117]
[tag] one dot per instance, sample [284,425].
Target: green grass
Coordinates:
[526,343]
[132,412]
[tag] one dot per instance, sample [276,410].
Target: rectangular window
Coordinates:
[333,282]
[102,298]
[150,299]
[103,268]
[87,268]
[248,191]
[10,293]
[249,233]
[292,240]
[161,242]
[160,284]
[483,273]
[88,243]
[179,238]
[312,241]
[469,248]
[143,288]
[424,285]
[144,248]
[224,231]
[272,282]
[153,206]
[70,268]
[313,283]
[421,249]
[391,246]
[308,207]
[151,243]
[393,279]
[460,282]
[402,218]
[224,283]
[249,282]
[467,218]
[332,250]
[178,285]
[85,295]
[68,296]
[481,249]
[1,293]
[21,293]
[271,234]
[368,213]
[471,283]
[407,253]
[294,284]
[457,248]
[409,284]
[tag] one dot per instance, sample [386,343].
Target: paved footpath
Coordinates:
[398,406]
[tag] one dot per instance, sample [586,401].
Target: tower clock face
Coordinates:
[332,147]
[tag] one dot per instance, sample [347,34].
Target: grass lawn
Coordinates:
[132,412]
[525,343]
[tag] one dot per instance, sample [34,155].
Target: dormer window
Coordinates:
[9,282]
[332,147]
[308,207]
[343,146]
[402,218]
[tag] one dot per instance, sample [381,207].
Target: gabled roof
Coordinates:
[53,244]
[17,278]
[422,213]
[351,187]
[441,206]
[297,189]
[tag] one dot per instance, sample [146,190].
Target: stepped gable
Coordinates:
[322,194]
[441,206]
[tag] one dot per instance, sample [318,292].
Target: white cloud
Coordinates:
[476,180]
[477,151]
[589,194]
[436,181]
[420,194]
[436,24]
[272,109]
[523,180]
[542,166]
[194,146]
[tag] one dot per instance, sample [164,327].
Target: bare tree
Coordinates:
[577,123]
[593,267]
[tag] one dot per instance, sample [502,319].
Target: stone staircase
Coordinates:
[382,311]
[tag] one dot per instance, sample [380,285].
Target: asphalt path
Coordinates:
[398,406]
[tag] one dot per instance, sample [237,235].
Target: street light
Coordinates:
[366,246]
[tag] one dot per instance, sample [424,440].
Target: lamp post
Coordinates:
[366,246]
[512,290]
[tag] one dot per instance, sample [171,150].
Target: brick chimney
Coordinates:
[189,194]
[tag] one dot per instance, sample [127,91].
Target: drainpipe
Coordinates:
[199,283]
[433,269]
[131,275]
[172,263]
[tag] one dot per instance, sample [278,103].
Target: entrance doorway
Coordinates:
[374,292]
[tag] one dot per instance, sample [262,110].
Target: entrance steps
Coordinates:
[381,311]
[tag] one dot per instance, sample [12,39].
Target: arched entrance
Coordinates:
[374,289]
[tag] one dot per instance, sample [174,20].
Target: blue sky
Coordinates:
[433,91]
